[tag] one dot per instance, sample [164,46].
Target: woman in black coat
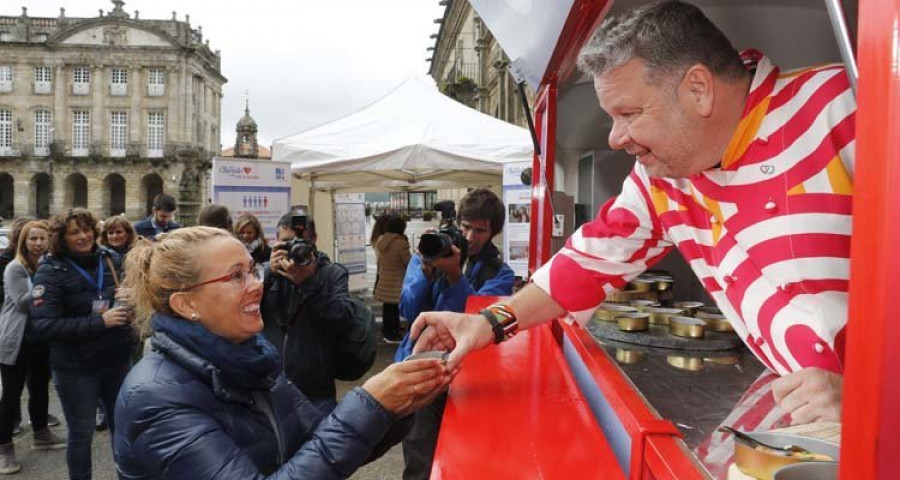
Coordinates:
[77,307]
[250,232]
[211,400]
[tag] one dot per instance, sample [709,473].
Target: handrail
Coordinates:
[842,34]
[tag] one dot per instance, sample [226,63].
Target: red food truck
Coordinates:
[554,402]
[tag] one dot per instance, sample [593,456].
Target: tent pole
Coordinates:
[312,195]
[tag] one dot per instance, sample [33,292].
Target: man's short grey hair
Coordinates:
[670,36]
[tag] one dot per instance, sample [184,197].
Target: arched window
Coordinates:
[76,191]
[7,196]
[151,186]
[114,194]
[41,189]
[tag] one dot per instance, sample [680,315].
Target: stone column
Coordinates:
[138,91]
[22,198]
[99,90]
[174,112]
[97,192]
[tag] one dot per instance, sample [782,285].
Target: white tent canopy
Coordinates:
[413,138]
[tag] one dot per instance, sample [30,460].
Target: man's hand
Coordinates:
[810,395]
[457,332]
[450,265]
[280,264]
[296,273]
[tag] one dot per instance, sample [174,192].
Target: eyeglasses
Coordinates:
[238,278]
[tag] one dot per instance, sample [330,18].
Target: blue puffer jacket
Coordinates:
[180,418]
[61,313]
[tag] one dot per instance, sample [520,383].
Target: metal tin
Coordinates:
[641,305]
[642,285]
[663,283]
[691,364]
[660,315]
[633,322]
[607,313]
[763,464]
[689,307]
[687,327]
[715,322]
[629,357]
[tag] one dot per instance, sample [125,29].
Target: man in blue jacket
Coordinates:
[444,284]
[160,221]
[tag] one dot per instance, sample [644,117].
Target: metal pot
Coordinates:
[763,463]
[687,327]
[808,471]
[633,322]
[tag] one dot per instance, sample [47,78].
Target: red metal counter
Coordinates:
[552,404]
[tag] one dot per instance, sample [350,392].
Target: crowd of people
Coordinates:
[243,360]
[245,336]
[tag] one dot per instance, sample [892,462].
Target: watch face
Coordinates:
[246,139]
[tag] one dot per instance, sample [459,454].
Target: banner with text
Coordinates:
[259,187]
[517,197]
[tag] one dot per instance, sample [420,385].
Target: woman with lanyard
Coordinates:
[77,307]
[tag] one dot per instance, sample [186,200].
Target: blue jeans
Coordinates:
[79,392]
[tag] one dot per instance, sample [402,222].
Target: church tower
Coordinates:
[245,146]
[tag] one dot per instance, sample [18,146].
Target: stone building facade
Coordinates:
[105,113]
[469,65]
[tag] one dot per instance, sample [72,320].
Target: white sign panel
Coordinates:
[258,187]
[350,232]
[517,198]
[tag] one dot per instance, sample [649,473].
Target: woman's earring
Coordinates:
[195,317]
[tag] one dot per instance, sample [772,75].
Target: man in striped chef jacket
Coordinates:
[746,169]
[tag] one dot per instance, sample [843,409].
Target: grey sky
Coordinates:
[305,62]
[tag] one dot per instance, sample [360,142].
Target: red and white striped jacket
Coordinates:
[768,233]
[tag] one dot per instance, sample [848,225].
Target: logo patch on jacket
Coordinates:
[36,293]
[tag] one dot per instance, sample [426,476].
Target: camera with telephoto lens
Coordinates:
[439,244]
[299,249]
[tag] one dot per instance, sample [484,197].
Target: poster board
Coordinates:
[259,187]
[350,235]
[517,199]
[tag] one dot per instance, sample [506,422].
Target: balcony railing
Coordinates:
[63,148]
[461,71]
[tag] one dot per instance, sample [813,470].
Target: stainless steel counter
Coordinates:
[695,401]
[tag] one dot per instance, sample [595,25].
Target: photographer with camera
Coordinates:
[450,264]
[306,305]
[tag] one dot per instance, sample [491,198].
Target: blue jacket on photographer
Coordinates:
[445,284]
[437,279]
[303,309]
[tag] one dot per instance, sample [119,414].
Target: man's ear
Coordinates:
[182,304]
[699,89]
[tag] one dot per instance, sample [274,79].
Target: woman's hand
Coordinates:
[116,316]
[124,296]
[404,387]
